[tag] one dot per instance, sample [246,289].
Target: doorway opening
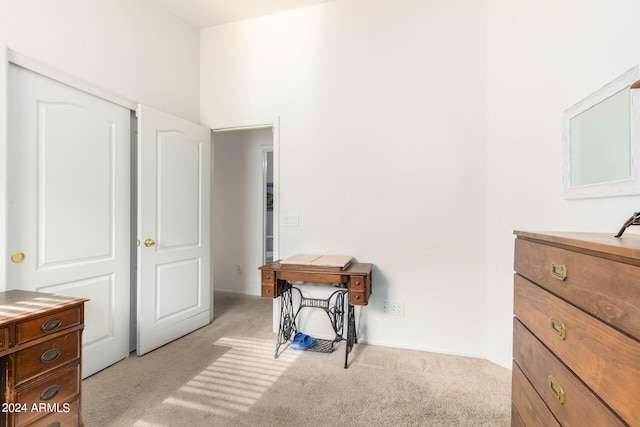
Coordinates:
[245,206]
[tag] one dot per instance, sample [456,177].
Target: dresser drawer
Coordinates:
[528,409]
[565,395]
[41,326]
[49,395]
[604,359]
[46,356]
[67,416]
[607,289]
[4,339]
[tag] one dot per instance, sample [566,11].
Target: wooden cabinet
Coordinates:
[576,349]
[40,357]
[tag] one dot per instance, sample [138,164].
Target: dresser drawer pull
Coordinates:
[50,392]
[50,355]
[558,328]
[556,389]
[54,424]
[559,271]
[51,324]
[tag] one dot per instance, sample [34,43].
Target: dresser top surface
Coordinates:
[627,246]
[17,304]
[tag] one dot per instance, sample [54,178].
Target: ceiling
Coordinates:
[206,13]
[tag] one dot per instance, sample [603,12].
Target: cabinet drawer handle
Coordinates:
[50,392]
[559,271]
[54,424]
[51,324]
[558,328]
[50,355]
[556,389]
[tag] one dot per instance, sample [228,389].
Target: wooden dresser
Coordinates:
[40,358]
[576,339]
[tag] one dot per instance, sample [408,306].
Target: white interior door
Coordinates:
[69,205]
[174,167]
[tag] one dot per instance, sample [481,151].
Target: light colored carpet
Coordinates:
[225,375]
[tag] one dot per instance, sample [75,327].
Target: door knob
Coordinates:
[149,242]
[18,257]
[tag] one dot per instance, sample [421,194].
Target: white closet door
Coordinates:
[69,205]
[174,167]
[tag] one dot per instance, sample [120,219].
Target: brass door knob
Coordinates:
[18,257]
[149,242]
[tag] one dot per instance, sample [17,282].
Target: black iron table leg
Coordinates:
[352,337]
[287,325]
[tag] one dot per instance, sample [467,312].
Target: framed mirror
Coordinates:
[601,141]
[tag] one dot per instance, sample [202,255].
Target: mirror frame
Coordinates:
[629,80]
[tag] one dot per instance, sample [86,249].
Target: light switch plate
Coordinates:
[290,219]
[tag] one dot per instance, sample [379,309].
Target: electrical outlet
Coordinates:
[396,308]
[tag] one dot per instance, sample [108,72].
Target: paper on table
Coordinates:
[301,259]
[319,260]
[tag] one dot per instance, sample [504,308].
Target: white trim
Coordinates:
[241,128]
[612,188]
[248,124]
[4,250]
[60,76]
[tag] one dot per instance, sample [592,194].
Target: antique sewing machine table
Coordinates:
[353,281]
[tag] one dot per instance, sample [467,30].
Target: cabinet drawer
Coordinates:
[67,416]
[359,290]
[528,409]
[4,339]
[268,277]
[358,298]
[358,283]
[269,287]
[46,356]
[49,395]
[48,324]
[607,289]
[571,403]
[268,291]
[587,348]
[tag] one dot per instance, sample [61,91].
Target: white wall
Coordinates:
[128,48]
[238,209]
[382,148]
[543,56]
[131,48]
